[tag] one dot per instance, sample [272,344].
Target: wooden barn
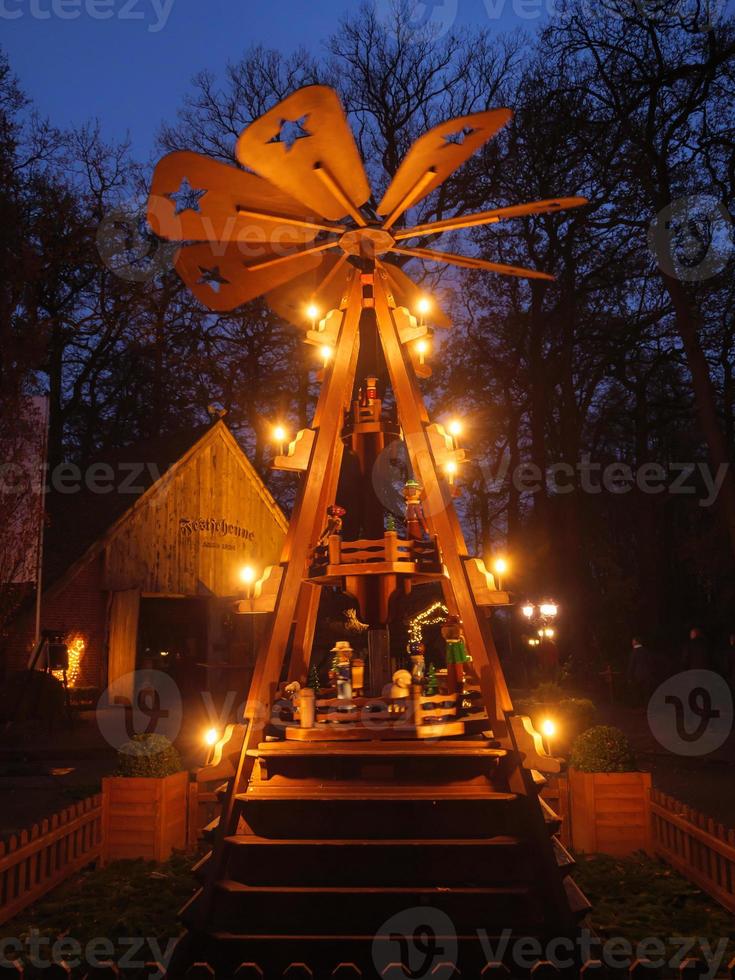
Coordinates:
[143,560]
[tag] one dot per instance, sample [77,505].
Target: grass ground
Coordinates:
[640,898]
[635,898]
[127,900]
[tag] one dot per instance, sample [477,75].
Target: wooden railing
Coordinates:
[699,848]
[38,859]
[390,552]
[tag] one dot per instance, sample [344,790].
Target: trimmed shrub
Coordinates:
[148,755]
[603,749]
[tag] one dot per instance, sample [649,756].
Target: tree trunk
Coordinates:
[705,402]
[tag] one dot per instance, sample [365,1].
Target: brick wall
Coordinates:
[79,610]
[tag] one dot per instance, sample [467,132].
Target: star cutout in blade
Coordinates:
[458,138]
[212,278]
[290,131]
[187,198]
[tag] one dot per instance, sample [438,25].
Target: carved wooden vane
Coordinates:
[286,226]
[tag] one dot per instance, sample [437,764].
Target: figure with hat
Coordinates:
[416,526]
[457,655]
[342,669]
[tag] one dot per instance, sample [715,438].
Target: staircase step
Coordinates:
[564,860]
[344,910]
[268,750]
[200,869]
[396,812]
[379,863]
[359,790]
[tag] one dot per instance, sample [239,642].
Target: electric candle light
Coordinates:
[500,567]
[326,353]
[455,428]
[312,312]
[423,306]
[247,577]
[548,729]
[451,471]
[422,349]
[211,736]
[279,435]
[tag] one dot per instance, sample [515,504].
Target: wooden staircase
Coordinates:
[340,846]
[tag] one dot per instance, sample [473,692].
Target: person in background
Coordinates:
[726,665]
[642,675]
[696,651]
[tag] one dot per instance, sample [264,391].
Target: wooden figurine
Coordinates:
[401,686]
[457,655]
[416,527]
[431,681]
[335,513]
[417,656]
[358,676]
[343,669]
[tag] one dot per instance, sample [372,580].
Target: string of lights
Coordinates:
[437,612]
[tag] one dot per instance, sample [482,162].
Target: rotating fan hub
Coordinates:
[366,242]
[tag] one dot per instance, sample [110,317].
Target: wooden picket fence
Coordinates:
[700,849]
[38,859]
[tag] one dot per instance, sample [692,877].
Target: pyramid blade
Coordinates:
[469,262]
[436,155]
[307,129]
[406,292]
[491,217]
[324,286]
[222,278]
[210,199]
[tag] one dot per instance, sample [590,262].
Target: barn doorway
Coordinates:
[172,637]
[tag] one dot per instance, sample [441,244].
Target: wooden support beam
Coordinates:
[440,513]
[337,387]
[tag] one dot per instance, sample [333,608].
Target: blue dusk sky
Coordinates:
[129,62]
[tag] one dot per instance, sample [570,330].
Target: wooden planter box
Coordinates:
[144,818]
[610,812]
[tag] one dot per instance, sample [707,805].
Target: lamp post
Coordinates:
[540,617]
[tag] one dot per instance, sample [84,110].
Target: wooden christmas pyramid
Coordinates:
[337,836]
